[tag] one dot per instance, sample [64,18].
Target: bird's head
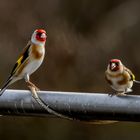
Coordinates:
[39,36]
[115,65]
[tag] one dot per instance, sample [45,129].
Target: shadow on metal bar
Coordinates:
[83,106]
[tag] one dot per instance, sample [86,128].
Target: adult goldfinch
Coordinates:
[119,77]
[29,61]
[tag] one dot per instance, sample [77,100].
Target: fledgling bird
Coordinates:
[29,61]
[119,77]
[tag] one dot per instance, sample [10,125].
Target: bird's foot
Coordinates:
[121,94]
[33,91]
[30,84]
[111,94]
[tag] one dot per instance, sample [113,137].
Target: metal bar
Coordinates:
[83,106]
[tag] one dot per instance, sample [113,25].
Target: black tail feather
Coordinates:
[5,85]
[138,82]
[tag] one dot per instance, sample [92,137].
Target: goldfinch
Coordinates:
[29,61]
[119,77]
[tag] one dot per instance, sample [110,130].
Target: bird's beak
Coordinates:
[113,65]
[43,36]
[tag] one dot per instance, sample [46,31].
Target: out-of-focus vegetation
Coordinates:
[83,35]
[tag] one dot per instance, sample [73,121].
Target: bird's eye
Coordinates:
[39,34]
[117,64]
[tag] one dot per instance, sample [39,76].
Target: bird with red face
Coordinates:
[119,77]
[29,61]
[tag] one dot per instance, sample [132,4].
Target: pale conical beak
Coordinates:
[113,65]
[43,35]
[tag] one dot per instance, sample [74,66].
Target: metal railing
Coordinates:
[82,106]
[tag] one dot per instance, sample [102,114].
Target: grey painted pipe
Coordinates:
[83,106]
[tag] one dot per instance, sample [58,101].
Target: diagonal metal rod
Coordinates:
[83,106]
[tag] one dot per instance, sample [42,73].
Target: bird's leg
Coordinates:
[124,93]
[27,79]
[33,85]
[36,97]
[111,94]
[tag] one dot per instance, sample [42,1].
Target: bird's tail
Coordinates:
[138,82]
[7,83]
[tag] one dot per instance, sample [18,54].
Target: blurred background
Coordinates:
[83,35]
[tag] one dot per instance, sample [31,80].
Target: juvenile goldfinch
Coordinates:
[119,77]
[29,61]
